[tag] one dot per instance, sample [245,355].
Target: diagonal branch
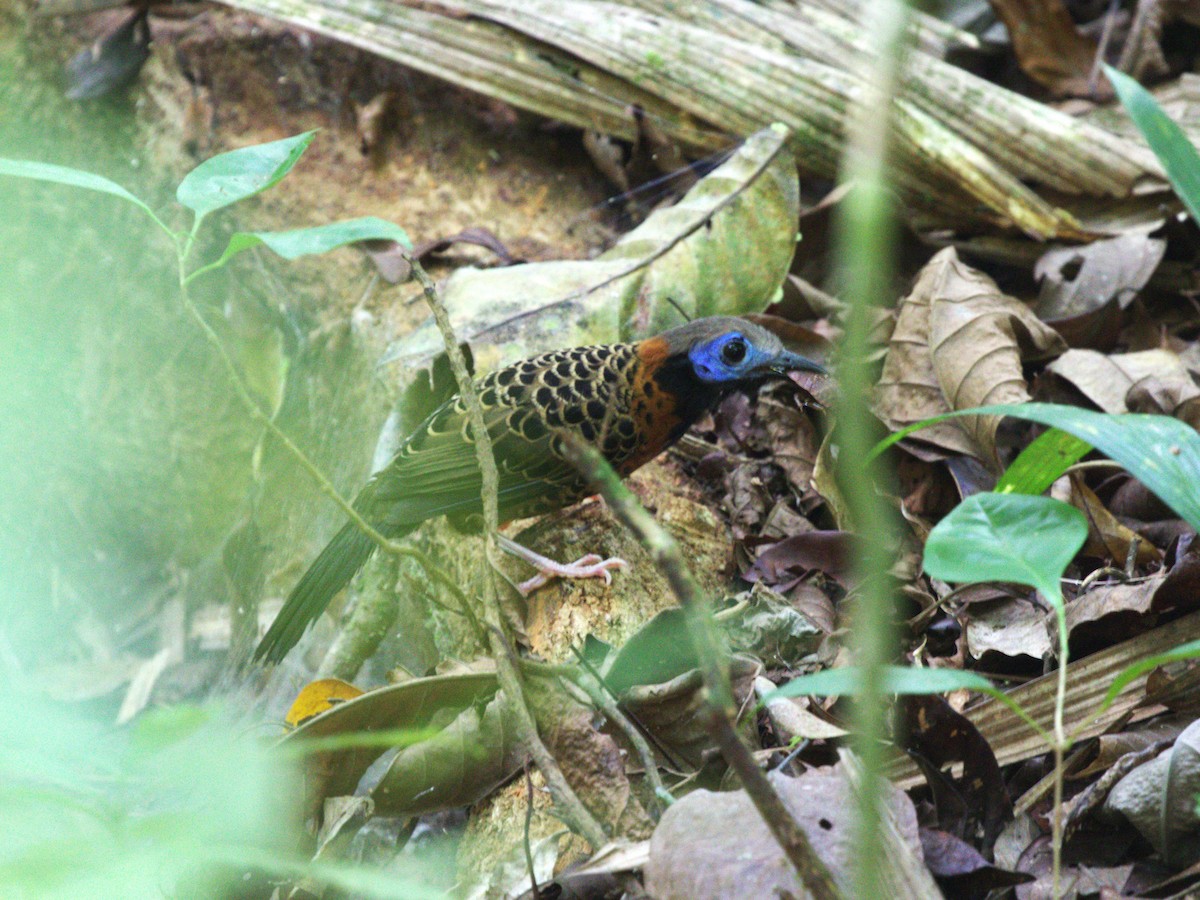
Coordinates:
[570,807]
[714,667]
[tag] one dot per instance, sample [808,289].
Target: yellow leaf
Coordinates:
[318,697]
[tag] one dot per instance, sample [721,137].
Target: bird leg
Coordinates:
[590,566]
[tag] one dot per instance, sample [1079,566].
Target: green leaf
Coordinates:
[164,726]
[1041,463]
[1165,138]
[1007,537]
[305,241]
[847,681]
[319,239]
[1161,452]
[234,176]
[39,171]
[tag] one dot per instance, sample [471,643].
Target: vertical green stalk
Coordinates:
[1062,741]
[865,240]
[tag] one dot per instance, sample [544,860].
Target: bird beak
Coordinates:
[794,362]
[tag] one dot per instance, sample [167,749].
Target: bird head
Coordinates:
[726,351]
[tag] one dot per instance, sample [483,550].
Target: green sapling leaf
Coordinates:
[306,241]
[238,174]
[40,171]
[1007,537]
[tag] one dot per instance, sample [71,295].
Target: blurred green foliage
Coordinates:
[170,806]
[126,457]
[98,367]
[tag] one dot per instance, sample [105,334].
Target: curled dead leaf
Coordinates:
[1081,280]
[1049,48]
[1151,381]
[1108,538]
[1159,799]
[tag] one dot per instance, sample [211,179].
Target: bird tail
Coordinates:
[333,568]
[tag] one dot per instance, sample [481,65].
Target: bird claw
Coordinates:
[590,566]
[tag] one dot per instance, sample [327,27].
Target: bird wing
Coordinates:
[436,473]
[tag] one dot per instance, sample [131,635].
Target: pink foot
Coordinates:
[590,566]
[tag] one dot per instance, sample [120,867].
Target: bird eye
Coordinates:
[734,351]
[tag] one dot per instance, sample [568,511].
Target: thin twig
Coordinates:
[713,664]
[533,882]
[1062,743]
[569,806]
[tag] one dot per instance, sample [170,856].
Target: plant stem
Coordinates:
[866,231]
[326,487]
[1061,741]
[598,694]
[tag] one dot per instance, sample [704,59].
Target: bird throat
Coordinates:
[676,378]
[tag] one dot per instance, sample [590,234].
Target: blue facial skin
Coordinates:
[714,362]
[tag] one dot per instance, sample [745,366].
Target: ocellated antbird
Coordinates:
[630,401]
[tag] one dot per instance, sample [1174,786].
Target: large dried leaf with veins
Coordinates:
[716,845]
[1159,799]
[959,342]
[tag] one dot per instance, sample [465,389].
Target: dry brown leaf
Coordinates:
[1155,381]
[791,719]
[1078,280]
[1048,46]
[1010,628]
[1177,691]
[1175,395]
[672,711]
[961,870]
[1159,799]
[1107,537]
[1121,602]
[824,482]
[959,342]
[716,845]
[814,604]
[1112,747]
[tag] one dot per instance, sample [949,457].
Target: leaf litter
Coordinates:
[1103,325]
